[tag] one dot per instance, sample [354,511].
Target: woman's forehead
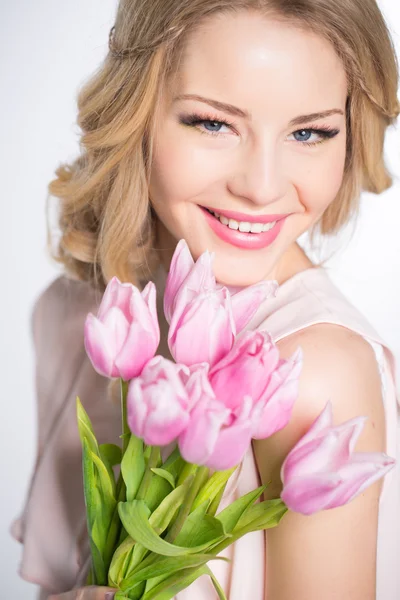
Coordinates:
[260,63]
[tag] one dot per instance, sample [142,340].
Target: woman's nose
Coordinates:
[259,177]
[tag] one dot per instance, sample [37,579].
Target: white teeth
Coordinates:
[244,226]
[233,224]
[256,227]
[268,226]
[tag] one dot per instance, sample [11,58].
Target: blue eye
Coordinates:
[196,121]
[209,125]
[304,135]
[322,134]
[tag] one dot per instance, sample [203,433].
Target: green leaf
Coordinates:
[89,482]
[146,452]
[162,516]
[99,570]
[212,487]
[174,584]
[133,466]
[216,583]
[159,488]
[167,566]
[159,521]
[111,453]
[263,515]
[85,427]
[120,558]
[135,518]
[187,470]
[121,596]
[200,528]
[214,505]
[230,516]
[166,475]
[104,480]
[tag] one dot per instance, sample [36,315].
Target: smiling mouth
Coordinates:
[243,226]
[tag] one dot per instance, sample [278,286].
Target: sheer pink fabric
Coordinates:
[52,525]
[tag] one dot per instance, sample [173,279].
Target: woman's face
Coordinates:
[270,155]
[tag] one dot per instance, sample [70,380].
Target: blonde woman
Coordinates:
[237,125]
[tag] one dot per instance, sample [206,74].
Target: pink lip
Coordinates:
[230,214]
[249,241]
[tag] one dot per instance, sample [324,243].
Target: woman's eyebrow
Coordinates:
[239,112]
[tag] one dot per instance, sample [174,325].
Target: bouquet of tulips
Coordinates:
[153,505]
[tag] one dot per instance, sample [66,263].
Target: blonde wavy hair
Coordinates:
[105,216]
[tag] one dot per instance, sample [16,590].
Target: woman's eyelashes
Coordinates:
[304,135]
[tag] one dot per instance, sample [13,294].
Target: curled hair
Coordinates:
[105,216]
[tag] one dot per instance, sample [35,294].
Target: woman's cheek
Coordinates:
[318,185]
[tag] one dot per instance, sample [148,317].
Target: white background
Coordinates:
[48,48]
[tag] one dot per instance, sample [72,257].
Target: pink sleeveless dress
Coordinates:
[52,525]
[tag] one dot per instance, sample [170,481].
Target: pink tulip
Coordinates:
[322,470]
[253,368]
[125,334]
[202,330]
[157,403]
[197,277]
[276,405]
[215,436]
[204,316]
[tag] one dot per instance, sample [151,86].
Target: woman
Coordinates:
[237,126]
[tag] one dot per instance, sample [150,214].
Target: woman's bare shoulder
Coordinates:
[338,365]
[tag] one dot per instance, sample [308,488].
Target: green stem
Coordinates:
[124,413]
[200,475]
[148,474]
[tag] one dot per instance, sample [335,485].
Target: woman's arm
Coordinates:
[330,555]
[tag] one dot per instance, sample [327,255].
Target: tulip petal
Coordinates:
[320,425]
[198,440]
[140,312]
[231,446]
[245,370]
[247,301]
[138,349]
[167,418]
[136,408]
[180,267]
[362,470]
[201,278]
[116,327]
[324,454]
[98,347]
[198,386]
[202,334]
[162,368]
[277,411]
[149,296]
[310,494]
[118,295]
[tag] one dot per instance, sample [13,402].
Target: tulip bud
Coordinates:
[215,436]
[187,280]
[125,334]
[184,272]
[322,470]
[157,403]
[201,330]
[246,370]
